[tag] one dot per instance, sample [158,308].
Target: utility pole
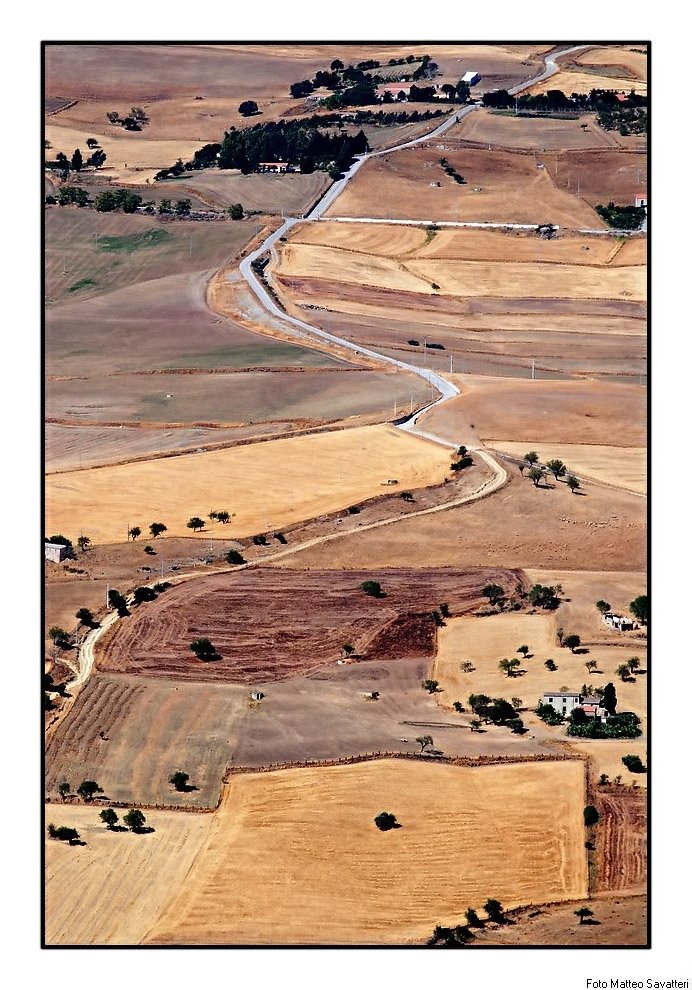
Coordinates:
[533,369]
[107,590]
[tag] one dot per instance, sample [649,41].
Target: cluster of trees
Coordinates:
[135,120]
[118,602]
[452,172]
[554,101]
[538,472]
[180,208]
[289,141]
[544,596]
[622,217]
[117,199]
[68,195]
[624,725]
[133,819]
[461,935]
[499,711]
[64,834]
[61,163]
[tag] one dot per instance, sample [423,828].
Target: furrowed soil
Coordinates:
[113,889]
[621,840]
[332,610]
[317,474]
[130,734]
[512,190]
[272,826]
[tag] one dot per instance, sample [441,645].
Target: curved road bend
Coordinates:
[447,389]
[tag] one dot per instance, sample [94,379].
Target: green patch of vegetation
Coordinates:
[83,283]
[133,242]
[622,217]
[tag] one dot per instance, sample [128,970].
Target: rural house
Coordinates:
[591,706]
[619,622]
[641,201]
[395,90]
[278,167]
[564,702]
[471,77]
[56,552]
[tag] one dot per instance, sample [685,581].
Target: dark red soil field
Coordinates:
[269,624]
[621,839]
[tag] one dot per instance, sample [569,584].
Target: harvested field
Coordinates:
[519,526]
[331,607]
[271,827]
[601,176]
[542,412]
[621,840]
[528,133]
[114,251]
[582,79]
[624,467]
[112,890]
[160,325]
[293,194]
[266,486]
[403,185]
[152,728]
[622,921]
[635,63]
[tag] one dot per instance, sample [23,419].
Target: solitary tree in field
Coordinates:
[523,649]
[194,523]
[248,108]
[640,609]
[634,664]
[372,588]
[203,649]
[623,672]
[134,819]
[556,468]
[134,532]
[83,542]
[234,557]
[573,483]
[572,642]
[179,780]
[591,665]
[430,685]
[458,707]
[509,666]
[63,789]
[582,913]
[85,617]
[236,211]
[88,788]
[475,724]
[424,741]
[156,528]
[494,593]
[347,649]
[603,606]
[385,821]
[109,817]
[536,474]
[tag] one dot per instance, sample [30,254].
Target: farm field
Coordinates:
[112,890]
[403,185]
[317,474]
[274,826]
[520,526]
[624,467]
[152,728]
[528,133]
[543,412]
[333,608]
[602,176]
[112,251]
[486,641]
[604,68]
[621,837]
[293,194]
[617,56]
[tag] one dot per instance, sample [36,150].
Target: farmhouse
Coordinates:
[56,552]
[395,90]
[564,702]
[619,622]
[471,77]
[278,167]
[641,201]
[592,707]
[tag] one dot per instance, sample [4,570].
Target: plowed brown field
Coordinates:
[621,839]
[272,624]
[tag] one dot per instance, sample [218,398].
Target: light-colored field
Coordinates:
[513,190]
[539,412]
[294,193]
[583,82]
[112,890]
[486,641]
[268,485]
[465,278]
[295,857]
[635,62]
[624,467]
[530,133]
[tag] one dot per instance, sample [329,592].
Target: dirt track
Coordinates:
[251,620]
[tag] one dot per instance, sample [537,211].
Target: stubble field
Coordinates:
[382,888]
[624,467]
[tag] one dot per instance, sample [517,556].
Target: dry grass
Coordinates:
[620,56]
[570,81]
[529,133]
[113,890]
[268,485]
[295,857]
[624,467]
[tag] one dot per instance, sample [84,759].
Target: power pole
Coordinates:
[533,369]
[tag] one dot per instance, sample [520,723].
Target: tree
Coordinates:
[531,458]
[437,618]
[475,724]
[537,474]
[134,532]
[347,649]
[572,642]
[336,65]
[556,468]
[76,161]
[203,648]
[63,834]
[603,606]
[179,780]
[473,920]
[623,671]
[544,596]
[603,780]
[92,143]
[385,821]
[640,609]
[573,483]
[236,211]
[157,528]
[85,617]
[223,517]
[143,594]
[59,636]
[63,789]
[88,788]
[495,911]
[517,703]
[248,108]
[523,649]
[591,816]
[494,593]
[634,763]
[234,557]
[509,666]
[165,206]
[134,819]
[97,159]
[117,601]
[582,913]
[430,685]
[109,817]
[634,663]
[591,665]
[444,610]
[83,542]
[194,523]
[372,588]
[609,700]
[182,207]
[550,664]
[105,202]
[458,707]
[424,741]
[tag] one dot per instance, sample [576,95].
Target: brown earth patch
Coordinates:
[621,839]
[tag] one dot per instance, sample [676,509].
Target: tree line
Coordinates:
[628,114]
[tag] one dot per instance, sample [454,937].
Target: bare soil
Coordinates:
[621,840]
[250,618]
[528,133]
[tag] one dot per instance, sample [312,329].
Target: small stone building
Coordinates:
[56,552]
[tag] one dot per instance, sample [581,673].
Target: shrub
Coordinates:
[385,821]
